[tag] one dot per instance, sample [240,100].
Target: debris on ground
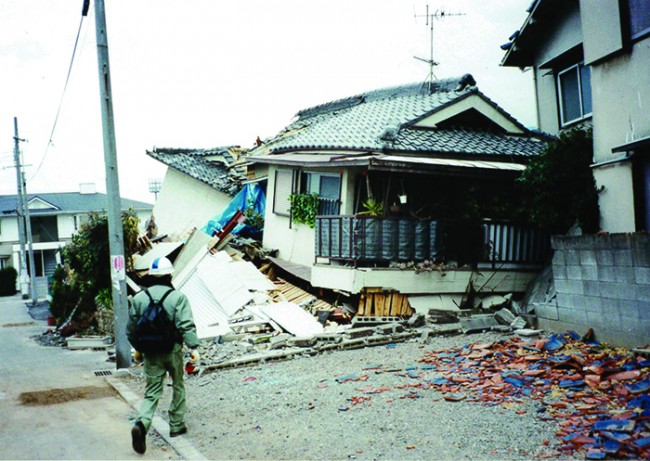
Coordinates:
[597,396]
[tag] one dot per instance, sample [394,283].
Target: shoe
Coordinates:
[139,437]
[181,431]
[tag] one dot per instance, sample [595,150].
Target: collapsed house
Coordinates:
[404,191]
[197,182]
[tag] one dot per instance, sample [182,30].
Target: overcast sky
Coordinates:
[208,73]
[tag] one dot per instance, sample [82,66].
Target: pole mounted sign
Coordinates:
[118,267]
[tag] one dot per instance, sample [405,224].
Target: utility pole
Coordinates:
[24,223]
[116,239]
[20,213]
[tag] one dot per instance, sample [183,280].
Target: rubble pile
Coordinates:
[598,397]
[249,349]
[50,338]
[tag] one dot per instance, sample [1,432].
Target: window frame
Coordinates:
[641,34]
[577,68]
[276,205]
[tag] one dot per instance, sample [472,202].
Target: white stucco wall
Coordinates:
[616,213]
[620,101]
[566,33]
[296,242]
[408,281]
[185,203]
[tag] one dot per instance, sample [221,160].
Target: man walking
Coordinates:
[158,363]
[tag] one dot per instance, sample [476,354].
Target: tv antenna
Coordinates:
[430,17]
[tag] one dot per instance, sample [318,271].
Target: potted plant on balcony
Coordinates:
[368,227]
[372,207]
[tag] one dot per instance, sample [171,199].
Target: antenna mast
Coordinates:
[438,14]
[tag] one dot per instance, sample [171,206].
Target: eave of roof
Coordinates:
[518,54]
[210,166]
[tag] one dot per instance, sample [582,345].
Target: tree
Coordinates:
[85,275]
[558,188]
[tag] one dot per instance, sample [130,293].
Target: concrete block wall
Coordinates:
[601,282]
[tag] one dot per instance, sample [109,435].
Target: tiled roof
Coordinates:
[69,202]
[211,166]
[377,120]
[470,142]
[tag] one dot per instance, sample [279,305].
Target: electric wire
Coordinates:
[65,87]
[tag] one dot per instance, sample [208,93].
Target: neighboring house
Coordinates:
[54,218]
[590,62]
[439,161]
[198,184]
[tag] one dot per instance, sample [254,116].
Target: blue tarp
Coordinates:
[251,195]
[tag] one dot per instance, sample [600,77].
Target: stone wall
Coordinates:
[601,282]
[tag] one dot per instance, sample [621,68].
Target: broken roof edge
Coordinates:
[343,151]
[446,85]
[192,151]
[305,158]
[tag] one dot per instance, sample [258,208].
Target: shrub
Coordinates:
[86,269]
[558,187]
[8,277]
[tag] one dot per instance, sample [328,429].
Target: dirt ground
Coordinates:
[354,404]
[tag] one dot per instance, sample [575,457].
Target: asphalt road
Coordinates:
[52,403]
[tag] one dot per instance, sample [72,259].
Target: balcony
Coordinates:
[365,240]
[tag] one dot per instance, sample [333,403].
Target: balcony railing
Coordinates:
[374,240]
[328,206]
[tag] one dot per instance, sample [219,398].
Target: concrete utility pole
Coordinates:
[24,223]
[116,239]
[20,214]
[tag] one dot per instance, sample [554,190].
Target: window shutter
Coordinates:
[283,186]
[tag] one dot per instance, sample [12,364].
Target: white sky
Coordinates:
[207,73]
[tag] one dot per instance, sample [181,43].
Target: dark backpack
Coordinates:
[155,332]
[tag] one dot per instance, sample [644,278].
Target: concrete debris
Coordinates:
[246,315]
[479,322]
[518,323]
[417,320]
[373,320]
[504,316]
[436,316]
[527,332]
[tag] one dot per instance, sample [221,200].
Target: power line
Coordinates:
[84,13]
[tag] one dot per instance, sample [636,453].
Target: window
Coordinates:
[639,18]
[327,186]
[283,189]
[574,93]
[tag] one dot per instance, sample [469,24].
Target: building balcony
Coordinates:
[365,241]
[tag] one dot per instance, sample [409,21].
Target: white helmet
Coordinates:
[161,266]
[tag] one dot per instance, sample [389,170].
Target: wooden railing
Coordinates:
[374,239]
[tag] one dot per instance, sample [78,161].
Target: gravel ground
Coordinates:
[296,409]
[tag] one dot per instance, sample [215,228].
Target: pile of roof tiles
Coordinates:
[599,397]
